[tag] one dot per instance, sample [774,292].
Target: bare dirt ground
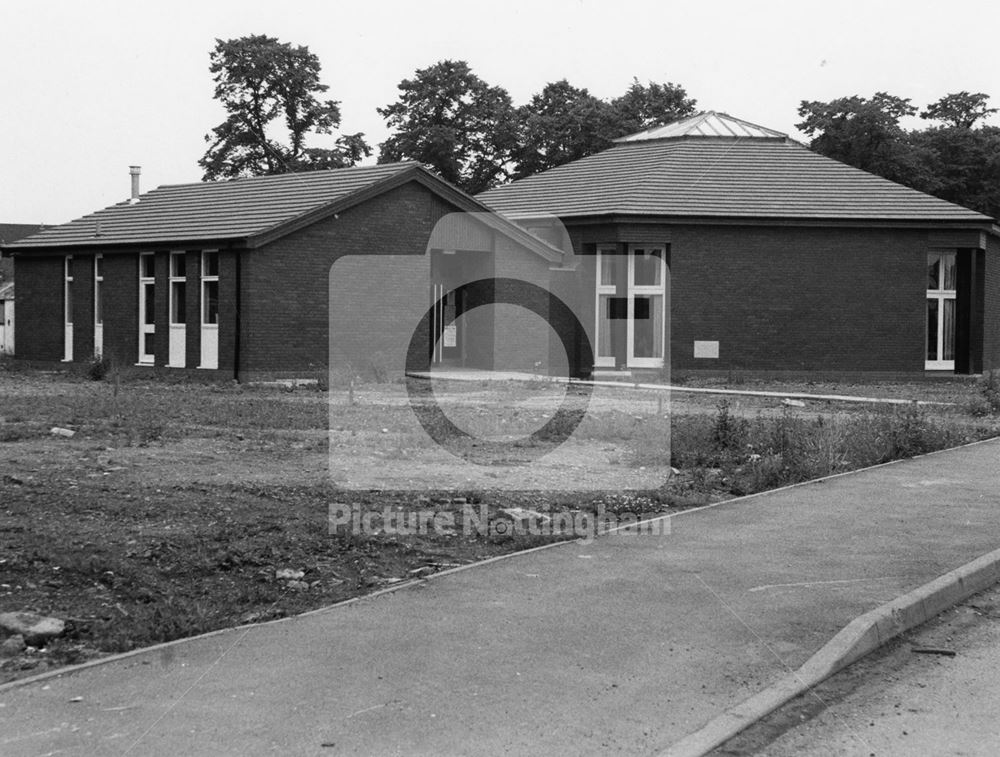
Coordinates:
[177,508]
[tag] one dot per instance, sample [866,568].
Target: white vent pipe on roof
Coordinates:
[134,172]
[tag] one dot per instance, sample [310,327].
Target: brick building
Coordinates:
[774,258]
[708,244]
[234,278]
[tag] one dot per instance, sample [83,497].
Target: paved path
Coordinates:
[617,647]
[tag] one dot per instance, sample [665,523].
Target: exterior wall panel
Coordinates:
[38,297]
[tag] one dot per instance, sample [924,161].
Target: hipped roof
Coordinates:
[713,166]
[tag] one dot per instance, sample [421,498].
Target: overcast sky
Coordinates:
[88,88]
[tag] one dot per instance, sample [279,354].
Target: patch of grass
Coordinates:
[987,398]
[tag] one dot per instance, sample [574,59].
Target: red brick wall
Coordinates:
[121,307]
[991,306]
[793,299]
[38,303]
[799,299]
[286,287]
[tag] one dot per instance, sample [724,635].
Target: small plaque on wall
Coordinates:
[706,350]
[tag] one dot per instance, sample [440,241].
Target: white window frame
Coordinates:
[68,309]
[942,295]
[177,347]
[632,290]
[147,284]
[607,290]
[646,290]
[98,305]
[209,331]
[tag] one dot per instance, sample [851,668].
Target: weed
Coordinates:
[98,367]
[729,432]
[987,401]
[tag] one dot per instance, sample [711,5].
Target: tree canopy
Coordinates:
[646,105]
[561,123]
[960,109]
[449,118]
[957,161]
[266,85]
[471,134]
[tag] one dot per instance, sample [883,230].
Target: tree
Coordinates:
[959,109]
[864,133]
[561,123]
[262,83]
[645,106]
[449,118]
[964,164]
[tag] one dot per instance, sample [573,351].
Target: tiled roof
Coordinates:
[223,210]
[11,232]
[707,124]
[693,176]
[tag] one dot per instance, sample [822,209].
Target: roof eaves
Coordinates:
[981,223]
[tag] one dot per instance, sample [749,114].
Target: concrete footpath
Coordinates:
[622,646]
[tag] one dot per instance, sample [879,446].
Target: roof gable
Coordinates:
[751,178]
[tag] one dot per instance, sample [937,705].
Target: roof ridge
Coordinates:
[399,164]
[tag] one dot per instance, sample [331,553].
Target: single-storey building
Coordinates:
[234,278]
[727,246]
[707,244]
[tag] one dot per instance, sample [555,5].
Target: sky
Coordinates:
[87,89]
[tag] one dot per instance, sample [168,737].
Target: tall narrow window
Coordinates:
[209,309]
[178,310]
[68,308]
[98,305]
[941,291]
[147,308]
[611,309]
[646,299]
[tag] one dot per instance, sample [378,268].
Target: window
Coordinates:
[941,291]
[98,287]
[209,309]
[147,308]
[210,288]
[178,289]
[630,307]
[68,308]
[98,304]
[177,306]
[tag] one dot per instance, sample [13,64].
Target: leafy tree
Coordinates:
[864,133]
[964,164]
[561,123]
[959,109]
[644,106]
[449,118]
[263,83]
